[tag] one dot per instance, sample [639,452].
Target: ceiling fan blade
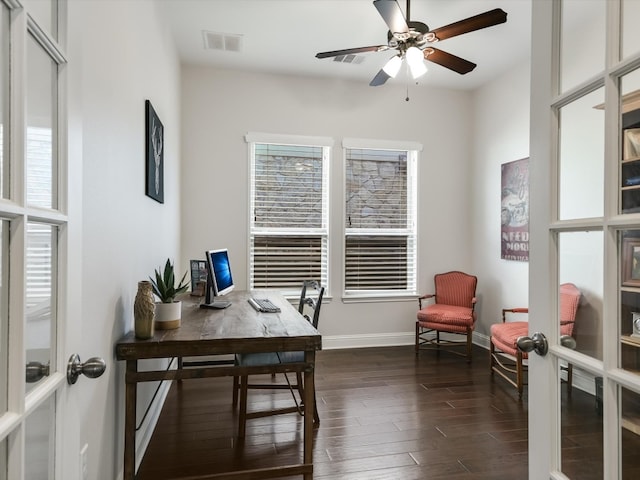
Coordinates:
[392,15]
[448,60]
[380,79]
[347,51]
[471,24]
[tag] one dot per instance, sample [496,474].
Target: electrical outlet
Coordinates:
[84,468]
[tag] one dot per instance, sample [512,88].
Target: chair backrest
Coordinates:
[569,300]
[311,300]
[455,288]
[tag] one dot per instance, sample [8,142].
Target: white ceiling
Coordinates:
[283,36]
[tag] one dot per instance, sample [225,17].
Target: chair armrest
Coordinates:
[513,310]
[424,297]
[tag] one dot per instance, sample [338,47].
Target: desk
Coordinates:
[236,329]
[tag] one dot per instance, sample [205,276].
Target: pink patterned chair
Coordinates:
[506,360]
[452,312]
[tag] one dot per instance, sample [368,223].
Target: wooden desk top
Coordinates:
[236,329]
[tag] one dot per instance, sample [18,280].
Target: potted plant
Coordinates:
[168,310]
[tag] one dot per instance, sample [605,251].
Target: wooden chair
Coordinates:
[309,306]
[506,359]
[452,312]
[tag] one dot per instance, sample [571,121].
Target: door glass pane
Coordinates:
[39,441]
[41,127]
[629,327]
[40,295]
[4,312]
[44,12]
[630,31]
[582,157]
[630,143]
[581,264]
[582,432]
[630,434]
[4,100]
[582,41]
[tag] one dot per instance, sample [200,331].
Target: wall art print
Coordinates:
[154,186]
[514,214]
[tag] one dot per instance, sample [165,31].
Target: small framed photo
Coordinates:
[630,262]
[198,277]
[154,186]
[631,147]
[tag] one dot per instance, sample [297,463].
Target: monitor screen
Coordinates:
[219,279]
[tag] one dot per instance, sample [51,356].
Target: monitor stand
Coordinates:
[217,304]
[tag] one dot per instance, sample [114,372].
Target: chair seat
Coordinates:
[268,358]
[505,335]
[446,317]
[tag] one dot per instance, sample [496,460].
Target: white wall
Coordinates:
[220,107]
[501,134]
[125,56]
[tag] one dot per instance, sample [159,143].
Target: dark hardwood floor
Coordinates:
[385,414]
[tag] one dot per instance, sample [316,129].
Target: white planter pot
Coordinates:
[168,315]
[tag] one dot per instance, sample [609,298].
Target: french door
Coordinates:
[585,229]
[36,236]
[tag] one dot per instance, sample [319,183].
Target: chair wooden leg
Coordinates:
[469,344]
[569,378]
[492,352]
[417,338]
[519,373]
[236,388]
[242,417]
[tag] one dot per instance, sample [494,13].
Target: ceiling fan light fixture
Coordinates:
[392,67]
[417,69]
[415,59]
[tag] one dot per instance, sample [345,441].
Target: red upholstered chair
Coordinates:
[452,312]
[506,359]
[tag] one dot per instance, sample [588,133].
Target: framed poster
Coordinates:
[154,185]
[514,213]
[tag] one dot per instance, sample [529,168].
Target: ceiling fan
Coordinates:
[412,41]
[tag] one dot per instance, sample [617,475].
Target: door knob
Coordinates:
[537,342]
[92,368]
[36,371]
[568,341]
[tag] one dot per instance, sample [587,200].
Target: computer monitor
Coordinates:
[219,279]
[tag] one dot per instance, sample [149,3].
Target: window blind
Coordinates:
[289,216]
[380,225]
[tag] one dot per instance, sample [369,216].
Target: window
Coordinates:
[380,219]
[288,226]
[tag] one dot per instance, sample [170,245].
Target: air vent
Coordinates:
[349,59]
[222,41]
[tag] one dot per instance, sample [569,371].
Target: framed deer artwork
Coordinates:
[154,186]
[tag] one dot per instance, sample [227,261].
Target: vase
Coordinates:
[144,308]
[168,315]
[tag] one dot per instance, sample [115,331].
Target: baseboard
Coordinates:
[333,342]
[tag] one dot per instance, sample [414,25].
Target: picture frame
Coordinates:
[631,262]
[514,210]
[198,277]
[631,145]
[154,154]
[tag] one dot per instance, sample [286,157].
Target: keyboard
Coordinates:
[263,305]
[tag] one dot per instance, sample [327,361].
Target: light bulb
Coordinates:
[392,67]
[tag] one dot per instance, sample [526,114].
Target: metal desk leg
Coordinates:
[309,405]
[130,420]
